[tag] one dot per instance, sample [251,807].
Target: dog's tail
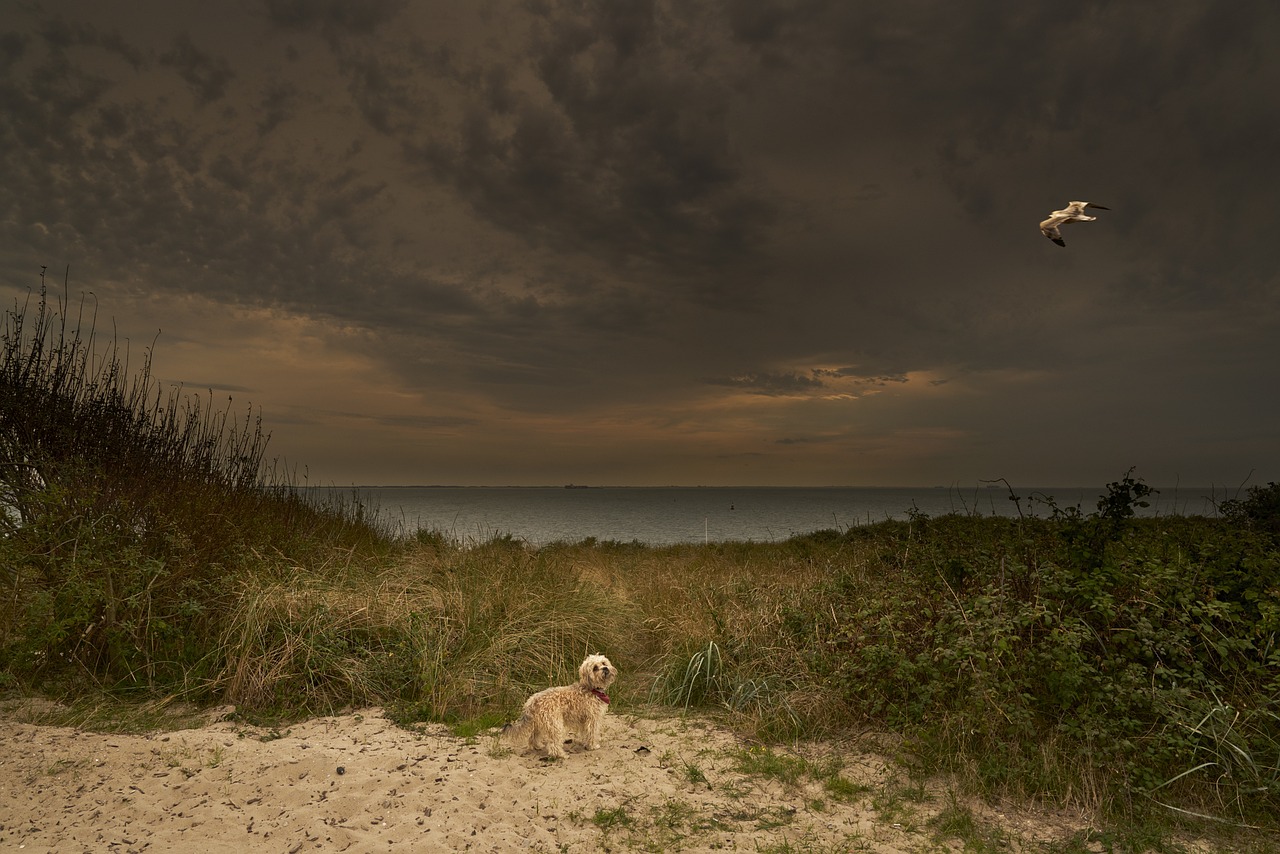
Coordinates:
[517,732]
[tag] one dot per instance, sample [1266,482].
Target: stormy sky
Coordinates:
[732,242]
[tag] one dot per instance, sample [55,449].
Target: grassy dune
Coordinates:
[150,550]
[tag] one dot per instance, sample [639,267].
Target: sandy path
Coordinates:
[359,783]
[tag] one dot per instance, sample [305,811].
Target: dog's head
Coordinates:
[597,672]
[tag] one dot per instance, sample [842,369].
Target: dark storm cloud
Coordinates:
[861,376]
[53,90]
[219,387]
[279,101]
[385,92]
[207,75]
[772,384]
[421,422]
[843,381]
[1034,93]
[1108,100]
[61,35]
[560,207]
[12,46]
[624,150]
[251,226]
[333,17]
[765,22]
[801,440]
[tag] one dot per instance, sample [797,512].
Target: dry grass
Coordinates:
[457,631]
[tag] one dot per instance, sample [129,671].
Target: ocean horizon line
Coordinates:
[660,515]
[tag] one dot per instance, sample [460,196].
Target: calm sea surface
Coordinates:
[667,515]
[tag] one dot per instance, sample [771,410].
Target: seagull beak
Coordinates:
[1099,207]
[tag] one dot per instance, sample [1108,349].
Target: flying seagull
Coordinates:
[1073,212]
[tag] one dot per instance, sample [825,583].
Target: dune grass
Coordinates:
[150,551]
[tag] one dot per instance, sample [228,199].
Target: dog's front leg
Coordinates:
[591,736]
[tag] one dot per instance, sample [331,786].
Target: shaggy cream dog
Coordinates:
[549,716]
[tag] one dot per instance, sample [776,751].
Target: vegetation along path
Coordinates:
[1122,670]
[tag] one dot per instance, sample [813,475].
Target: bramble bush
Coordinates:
[1142,650]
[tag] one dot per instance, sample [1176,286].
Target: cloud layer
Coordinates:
[751,241]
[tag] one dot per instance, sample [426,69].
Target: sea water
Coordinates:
[668,515]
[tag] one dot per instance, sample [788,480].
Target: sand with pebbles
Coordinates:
[359,783]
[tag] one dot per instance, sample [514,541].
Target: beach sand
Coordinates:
[359,783]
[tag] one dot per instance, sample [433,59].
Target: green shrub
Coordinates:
[1143,650]
[1259,510]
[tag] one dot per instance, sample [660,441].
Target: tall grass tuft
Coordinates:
[129,510]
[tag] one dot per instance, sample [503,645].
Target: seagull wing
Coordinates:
[1073,212]
[1049,229]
